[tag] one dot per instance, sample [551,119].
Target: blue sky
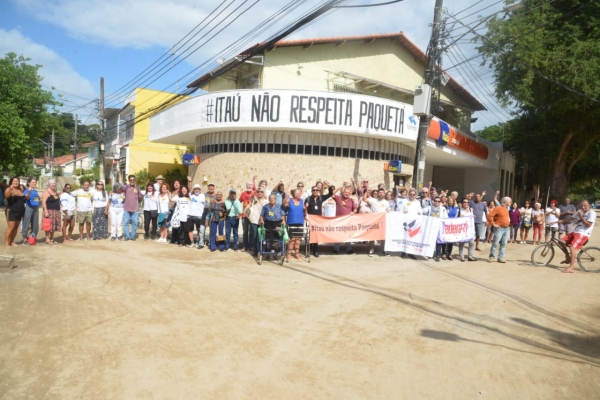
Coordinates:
[78,41]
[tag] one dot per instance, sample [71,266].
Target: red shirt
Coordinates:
[344,206]
[245,199]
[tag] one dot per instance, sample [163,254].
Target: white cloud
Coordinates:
[56,71]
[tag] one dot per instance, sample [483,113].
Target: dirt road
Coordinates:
[145,320]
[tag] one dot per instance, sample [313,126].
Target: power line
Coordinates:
[498,48]
[170,52]
[236,47]
[241,42]
[370,5]
[260,48]
[476,89]
[471,6]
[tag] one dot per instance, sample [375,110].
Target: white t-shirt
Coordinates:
[183,204]
[197,205]
[411,207]
[151,201]
[67,202]
[99,198]
[552,219]
[163,204]
[84,200]
[329,208]
[378,206]
[589,216]
[465,213]
[400,202]
[526,214]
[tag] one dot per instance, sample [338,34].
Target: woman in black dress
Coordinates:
[15,210]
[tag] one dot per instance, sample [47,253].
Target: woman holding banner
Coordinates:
[452,211]
[438,211]
[465,211]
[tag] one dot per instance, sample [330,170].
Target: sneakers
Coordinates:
[189,246]
[371,253]
[491,259]
[200,246]
[112,239]
[500,260]
[120,238]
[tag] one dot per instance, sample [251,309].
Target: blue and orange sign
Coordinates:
[394,166]
[444,134]
[190,159]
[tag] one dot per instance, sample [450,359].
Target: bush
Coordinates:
[84,178]
[143,177]
[58,171]
[175,173]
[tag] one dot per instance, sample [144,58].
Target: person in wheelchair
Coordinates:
[272,217]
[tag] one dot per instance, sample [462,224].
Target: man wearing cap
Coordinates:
[233,211]
[209,196]
[195,212]
[158,183]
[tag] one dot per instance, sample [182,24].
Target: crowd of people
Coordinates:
[189,213]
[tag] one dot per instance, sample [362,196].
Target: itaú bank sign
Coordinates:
[284,110]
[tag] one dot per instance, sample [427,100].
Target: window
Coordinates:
[129,125]
[309,143]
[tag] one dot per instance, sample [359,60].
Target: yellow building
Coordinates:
[128,150]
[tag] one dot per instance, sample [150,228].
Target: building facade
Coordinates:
[330,109]
[128,149]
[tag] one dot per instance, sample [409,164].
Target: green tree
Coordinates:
[545,59]
[24,116]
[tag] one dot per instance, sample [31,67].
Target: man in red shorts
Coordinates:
[584,221]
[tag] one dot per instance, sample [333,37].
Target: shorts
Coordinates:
[575,240]
[84,216]
[193,223]
[551,229]
[568,228]
[480,229]
[69,216]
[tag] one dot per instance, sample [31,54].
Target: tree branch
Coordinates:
[584,150]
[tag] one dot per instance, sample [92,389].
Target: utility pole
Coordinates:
[433,52]
[52,156]
[101,137]
[75,146]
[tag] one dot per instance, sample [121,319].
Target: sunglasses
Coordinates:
[315,190]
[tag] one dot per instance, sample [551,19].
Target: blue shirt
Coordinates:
[34,199]
[296,213]
[452,211]
[274,213]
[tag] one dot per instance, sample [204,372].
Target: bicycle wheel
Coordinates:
[542,255]
[588,259]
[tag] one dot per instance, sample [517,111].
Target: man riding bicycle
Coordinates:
[584,221]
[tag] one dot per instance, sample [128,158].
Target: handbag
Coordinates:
[220,238]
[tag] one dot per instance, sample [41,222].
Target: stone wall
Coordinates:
[231,170]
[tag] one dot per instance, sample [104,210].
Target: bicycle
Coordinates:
[588,257]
